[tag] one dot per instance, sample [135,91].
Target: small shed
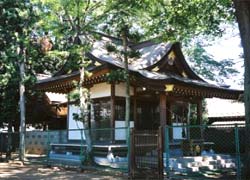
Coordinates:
[225,112]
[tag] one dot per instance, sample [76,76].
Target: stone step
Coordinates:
[213,162]
[193,169]
[228,165]
[193,164]
[222,156]
[177,165]
[208,158]
[181,170]
[208,167]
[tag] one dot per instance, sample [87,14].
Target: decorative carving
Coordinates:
[171,58]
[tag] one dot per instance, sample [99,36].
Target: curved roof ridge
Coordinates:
[191,73]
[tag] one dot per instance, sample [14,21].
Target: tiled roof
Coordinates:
[151,53]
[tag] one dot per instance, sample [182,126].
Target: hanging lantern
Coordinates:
[45,44]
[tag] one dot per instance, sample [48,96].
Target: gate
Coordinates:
[146,154]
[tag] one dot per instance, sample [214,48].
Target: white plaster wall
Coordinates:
[120,90]
[100,90]
[104,90]
[120,134]
[73,125]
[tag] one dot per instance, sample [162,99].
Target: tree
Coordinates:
[70,24]
[184,20]
[19,48]
[121,20]
[173,21]
[205,65]
[17,19]
[243,18]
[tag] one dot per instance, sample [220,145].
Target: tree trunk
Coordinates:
[22,110]
[84,113]
[243,17]
[127,109]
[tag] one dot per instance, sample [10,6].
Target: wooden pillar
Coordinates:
[199,112]
[169,120]
[169,114]
[188,120]
[160,152]
[163,109]
[199,117]
[112,108]
[135,108]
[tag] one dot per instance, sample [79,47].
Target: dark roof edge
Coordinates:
[43,81]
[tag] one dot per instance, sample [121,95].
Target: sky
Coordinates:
[229,47]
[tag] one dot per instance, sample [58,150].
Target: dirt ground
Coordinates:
[15,170]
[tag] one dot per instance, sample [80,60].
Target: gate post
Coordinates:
[48,148]
[167,149]
[237,146]
[132,166]
[160,153]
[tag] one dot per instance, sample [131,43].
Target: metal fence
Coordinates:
[68,148]
[109,149]
[189,152]
[9,142]
[204,152]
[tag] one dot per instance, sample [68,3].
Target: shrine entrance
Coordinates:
[146,153]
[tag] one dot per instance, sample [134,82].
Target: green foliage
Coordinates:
[205,65]
[70,23]
[176,21]
[124,16]
[183,20]
[20,42]
[134,54]
[116,76]
[171,20]
[17,20]
[193,113]
[74,96]
[110,47]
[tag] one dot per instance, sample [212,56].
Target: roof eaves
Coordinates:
[58,78]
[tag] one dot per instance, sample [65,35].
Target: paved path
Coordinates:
[30,172]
